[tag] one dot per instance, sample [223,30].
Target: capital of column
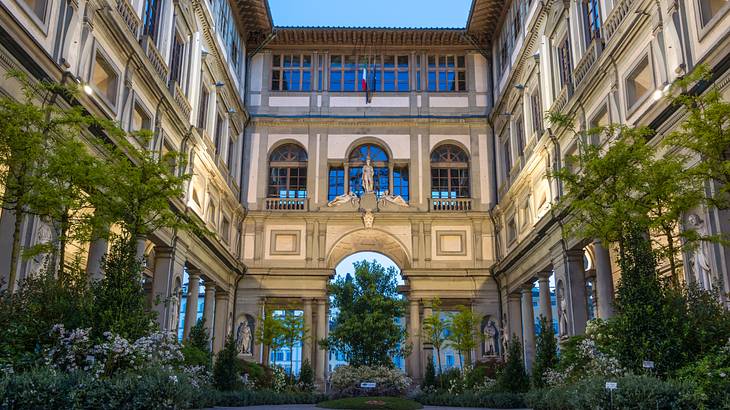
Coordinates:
[515,296]
[221,294]
[544,276]
[161,251]
[193,274]
[526,288]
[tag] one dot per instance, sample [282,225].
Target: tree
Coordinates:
[227,369]
[306,376]
[368,305]
[462,332]
[293,331]
[513,377]
[434,330]
[429,379]
[196,348]
[546,356]
[119,298]
[269,333]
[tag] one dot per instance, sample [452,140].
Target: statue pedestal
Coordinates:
[369,201]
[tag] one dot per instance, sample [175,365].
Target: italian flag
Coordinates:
[364,83]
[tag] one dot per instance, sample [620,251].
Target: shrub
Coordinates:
[513,377]
[429,379]
[451,379]
[710,379]
[227,368]
[255,397]
[196,349]
[472,399]
[388,381]
[306,377]
[546,356]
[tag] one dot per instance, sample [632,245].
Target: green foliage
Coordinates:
[196,349]
[227,369]
[546,354]
[365,329]
[429,379]
[378,402]
[119,298]
[270,331]
[513,377]
[306,377]
[462,332]
[710,379]
[256,398]
[477,399]
[434,330]
[389,381]
[293,331]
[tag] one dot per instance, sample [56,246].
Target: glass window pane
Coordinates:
[432,85]
[389,81]
[277,60]
[275,79]
[335,81]
[349,80]
[287,60]
[388,61]
[402,61]
[336,61]
[306,81]
[295,60]
[403,81]
[306,61]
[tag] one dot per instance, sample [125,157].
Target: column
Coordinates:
[309,334]
[221,319]
[415,339]
[546,308]
[427,348]
[141,244]
[209,307]
[604,281]
[321,334]
[160,282]
[514,310]
[528,327]
[191,303]
[570,280]
[97,250]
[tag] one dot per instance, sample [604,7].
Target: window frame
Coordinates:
[300,69]
[706,27]
[300,165]
[380,166]
[452,167]
[40,21]
[632,107]
[151,28]
[445,69]
[536,111]
[336,189]
[99,52]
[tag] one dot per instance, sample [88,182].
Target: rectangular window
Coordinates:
[507,157]
[400,182]
[446,73]
[511,230]
[346,72]
[225,230]
[151,17]
[519,135]
[591,20]
[639,83]
[711,8]
[291,72]
[105,79]
[140,119]
[211,213]
[394,74]
[203,107]
[564,64]
[600,119]
[176,59]
[39,8]
[336,185]
[230,157]
[536,105]
[219,124]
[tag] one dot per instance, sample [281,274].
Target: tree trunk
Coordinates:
[63,231]
[672,261]
[15,252]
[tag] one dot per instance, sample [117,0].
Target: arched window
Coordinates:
[449,172]
[378,160]
[288,172]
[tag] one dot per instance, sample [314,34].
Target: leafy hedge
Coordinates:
[149,389]
[633,392]
[473,399]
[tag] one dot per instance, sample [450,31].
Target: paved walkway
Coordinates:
[312,406]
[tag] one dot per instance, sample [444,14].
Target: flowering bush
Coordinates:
[388,381]
[280,379]
[581,357]
[710,379]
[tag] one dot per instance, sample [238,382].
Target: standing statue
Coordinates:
[563,318]
[244,337]
[491,339]
[700,259]
[367,176]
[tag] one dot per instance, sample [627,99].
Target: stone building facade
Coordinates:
[279,128]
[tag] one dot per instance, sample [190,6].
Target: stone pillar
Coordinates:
[97,250]
[604,281]
[415,340]
[161,282]
[514,302]
[546,308]
[569,271]
[427,350]
[141,244]
[528,327]
[191,303]
[309,334]
[209,307]
[221,319]
[321,334]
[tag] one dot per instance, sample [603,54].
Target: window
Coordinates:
[219,124]
[344,71]
[225,23]
[225,229]
[288,172]
[291,72]
[507,156]
[140,119]
[520,134]
[536,105]
[564,65]
[378,160]
[105,79]
[639,83]
[336,185]
[38,7]
[231,154]
[395,74]
[600,119]
[418,73]
[211,212]
[320,72]
[711,8]
[400,182]
[446,73]
[203,107]
[511,230]
[176,58]
[449,172]
[151,11]
[591,20]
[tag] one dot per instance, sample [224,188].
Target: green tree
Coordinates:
[227,369]
[429,379]
[270,333]
[368,305]
[546,355]
[306,376]
[513,377]
[196,348]
[119,298]
[434,330]
[462,333]
[293,332]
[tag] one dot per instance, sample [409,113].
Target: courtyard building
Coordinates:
[427,145]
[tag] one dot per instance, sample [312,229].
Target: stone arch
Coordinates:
[284,141]
[454,142]
[369,140]
[369,240]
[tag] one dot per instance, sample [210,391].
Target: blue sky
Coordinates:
[374,13]
[346,265]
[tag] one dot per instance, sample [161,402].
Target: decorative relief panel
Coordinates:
[451,243]
[285,242]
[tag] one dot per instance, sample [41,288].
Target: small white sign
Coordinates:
[611,385]
[367,385]
[648,364]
